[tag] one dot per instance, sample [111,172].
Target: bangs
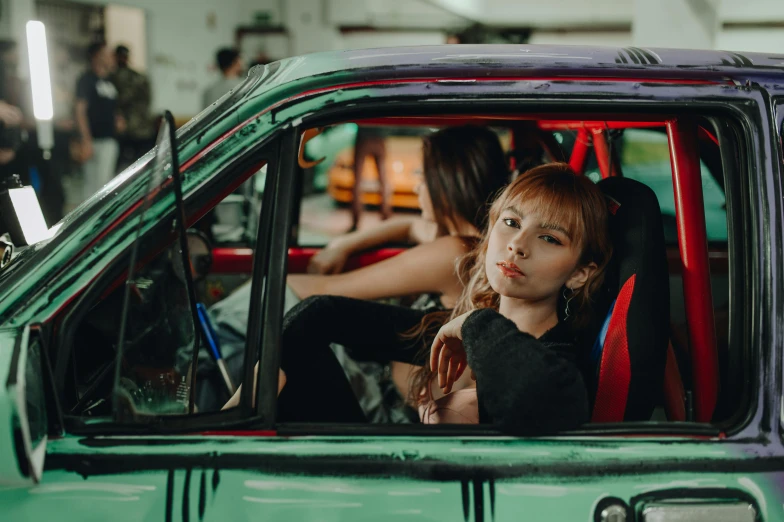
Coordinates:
[560,199]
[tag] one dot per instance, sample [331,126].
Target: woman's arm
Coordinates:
[426,268]
[397,230]
[525,386]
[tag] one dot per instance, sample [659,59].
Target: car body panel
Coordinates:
[348,479]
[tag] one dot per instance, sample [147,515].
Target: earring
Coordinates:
[568,300]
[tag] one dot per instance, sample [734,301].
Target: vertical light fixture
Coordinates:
[41,85]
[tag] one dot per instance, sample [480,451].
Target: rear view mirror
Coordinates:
[22,407]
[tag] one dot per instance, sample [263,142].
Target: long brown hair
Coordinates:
[464,168]
[560,196]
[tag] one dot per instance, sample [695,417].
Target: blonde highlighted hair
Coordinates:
[559,196]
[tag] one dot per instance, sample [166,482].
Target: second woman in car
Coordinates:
[464,168]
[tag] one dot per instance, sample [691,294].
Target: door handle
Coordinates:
[699,512]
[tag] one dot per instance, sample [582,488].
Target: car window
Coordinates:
[645,156]
[234,221]
[157,357]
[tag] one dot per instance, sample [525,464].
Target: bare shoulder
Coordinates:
[457,244]
[443,252]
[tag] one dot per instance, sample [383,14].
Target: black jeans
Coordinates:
[316,387]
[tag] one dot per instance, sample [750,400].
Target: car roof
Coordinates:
[523,60]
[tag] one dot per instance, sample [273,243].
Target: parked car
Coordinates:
[100,332]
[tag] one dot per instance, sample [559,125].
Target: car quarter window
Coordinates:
[160,331]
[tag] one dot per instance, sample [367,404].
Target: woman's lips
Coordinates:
[509,269]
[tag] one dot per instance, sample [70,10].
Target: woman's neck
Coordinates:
[463,228]
[532,317]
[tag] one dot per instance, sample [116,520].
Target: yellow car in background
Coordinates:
[403,164]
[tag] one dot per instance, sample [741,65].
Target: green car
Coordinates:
[112,377]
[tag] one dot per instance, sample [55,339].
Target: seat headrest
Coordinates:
[633,307]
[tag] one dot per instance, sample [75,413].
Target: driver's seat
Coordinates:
[630,347]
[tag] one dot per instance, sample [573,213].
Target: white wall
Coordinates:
[183,36]
[390,13]
[607,38]
[368,40]
[5,19]
[128,26]
[751,40]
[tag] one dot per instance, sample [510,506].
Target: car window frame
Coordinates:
[778,111]
[196,205]
[732,109]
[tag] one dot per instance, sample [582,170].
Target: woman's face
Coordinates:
[531,259]
[423,197]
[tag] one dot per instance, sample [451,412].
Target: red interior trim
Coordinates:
[693,244]
[615,372]
[580,152]
[673,388]
[240,260]
[239,433]
[608,165]
[232,261]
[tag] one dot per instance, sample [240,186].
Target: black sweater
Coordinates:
[526,386]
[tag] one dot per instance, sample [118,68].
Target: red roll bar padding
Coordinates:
[580,152]
[674,403]
[693,244]
[240,260]
[607,164]
[232,261]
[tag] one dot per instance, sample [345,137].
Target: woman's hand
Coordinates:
[235,399]
[330,260]
[447,355]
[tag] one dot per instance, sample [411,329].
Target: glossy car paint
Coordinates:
[271,476]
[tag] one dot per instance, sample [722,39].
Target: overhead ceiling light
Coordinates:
[41,84]
[39,71]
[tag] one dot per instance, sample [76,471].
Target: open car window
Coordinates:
[644,154]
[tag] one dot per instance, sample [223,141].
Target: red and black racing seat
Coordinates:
[630,348]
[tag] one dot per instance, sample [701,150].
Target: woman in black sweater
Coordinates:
[547,244]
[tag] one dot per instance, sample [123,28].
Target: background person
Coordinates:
[232,69]
[370,141]
[97,121]
[133,105]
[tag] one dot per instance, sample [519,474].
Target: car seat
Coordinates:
[632,333]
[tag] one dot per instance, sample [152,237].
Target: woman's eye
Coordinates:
[551,239]
[511,223]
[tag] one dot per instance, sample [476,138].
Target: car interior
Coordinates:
[651,366]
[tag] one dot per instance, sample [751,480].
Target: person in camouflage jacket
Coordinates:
[133,104]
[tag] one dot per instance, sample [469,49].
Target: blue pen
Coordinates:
[214,345]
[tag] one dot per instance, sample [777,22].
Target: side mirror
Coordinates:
[22,407]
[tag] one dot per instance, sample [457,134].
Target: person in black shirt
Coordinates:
[97,121]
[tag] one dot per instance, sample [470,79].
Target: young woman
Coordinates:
[464,168]
[509,355]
